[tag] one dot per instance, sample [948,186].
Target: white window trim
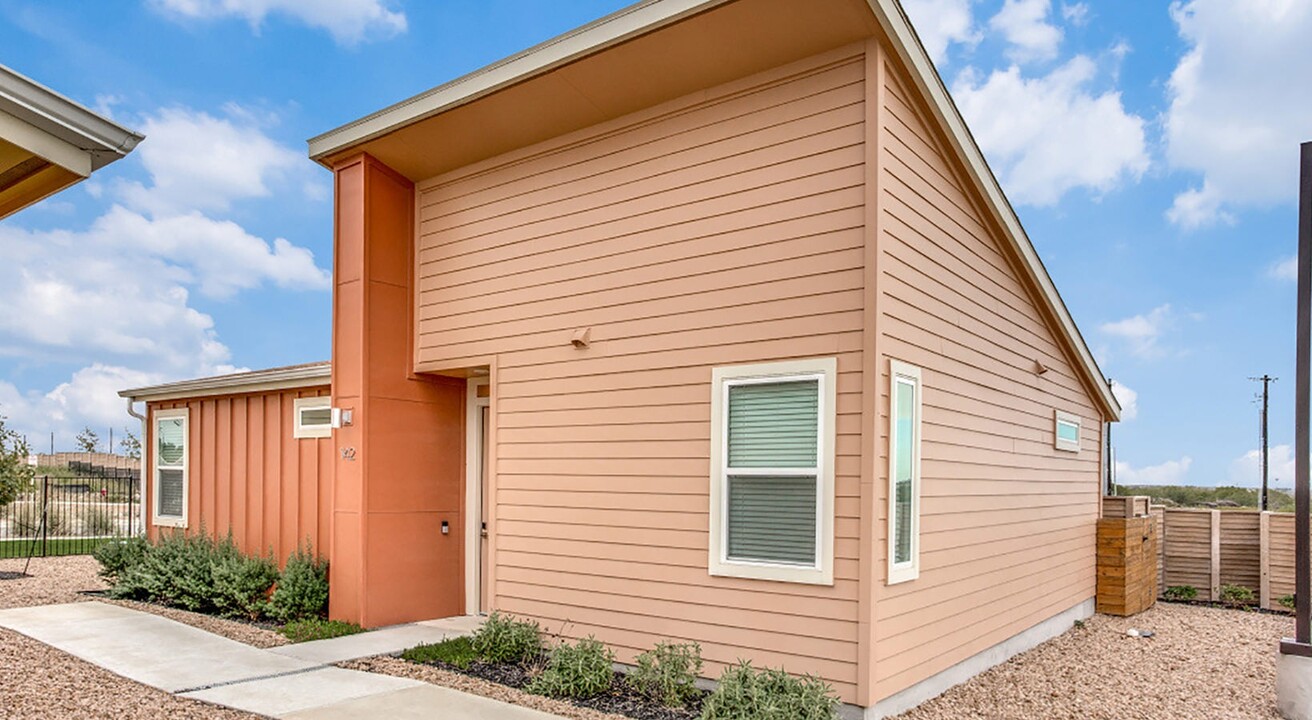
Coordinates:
[170,520]
[825,370]
[1058,418]
[910,569]
[300,431]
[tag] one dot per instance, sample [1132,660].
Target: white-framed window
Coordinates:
[772,471]
[903,472]
[1066,431]
[171,452]
[314,417]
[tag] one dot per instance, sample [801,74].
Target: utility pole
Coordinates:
[1266,381]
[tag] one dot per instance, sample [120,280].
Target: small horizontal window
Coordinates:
[314,417]
[1067,433]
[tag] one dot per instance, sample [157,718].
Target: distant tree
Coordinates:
[15,473]
[130,445]
[87,440]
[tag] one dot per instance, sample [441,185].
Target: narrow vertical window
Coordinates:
[170,500]
[772,480]
[904,473]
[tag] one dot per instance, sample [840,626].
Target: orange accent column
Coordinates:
[399,464]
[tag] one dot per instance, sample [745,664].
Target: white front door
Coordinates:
[476,496]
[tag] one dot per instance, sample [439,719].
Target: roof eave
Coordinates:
[622,25]
[236,384]
[102,139]
[912,53]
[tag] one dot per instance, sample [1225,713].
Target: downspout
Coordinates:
[142,469]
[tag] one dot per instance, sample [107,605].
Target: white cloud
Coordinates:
[1047,135]
[1171,472]
[939,23]
[199,162]
[1076,14]
[349,21]
[1286,269]
[1129,400]
[1141,333]
[1246,470]
[1237,112]
[1024,24]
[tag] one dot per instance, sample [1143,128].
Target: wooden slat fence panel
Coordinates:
[1241,558]
[1188,555]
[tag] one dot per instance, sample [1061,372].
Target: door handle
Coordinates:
[483,530]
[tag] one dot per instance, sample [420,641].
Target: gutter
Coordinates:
[102,139]
[142,469]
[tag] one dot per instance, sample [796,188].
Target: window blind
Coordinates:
[170,492]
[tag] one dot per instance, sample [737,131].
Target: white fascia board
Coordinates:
[44,145]
[102,140]
[252,382]
[912,54]
[613,29]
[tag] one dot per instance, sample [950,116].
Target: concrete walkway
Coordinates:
[293,681]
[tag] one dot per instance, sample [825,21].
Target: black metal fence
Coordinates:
[69,515]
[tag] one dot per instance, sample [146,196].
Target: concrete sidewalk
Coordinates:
[294,681]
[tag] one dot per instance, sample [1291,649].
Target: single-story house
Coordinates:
[706,321]
[48,142]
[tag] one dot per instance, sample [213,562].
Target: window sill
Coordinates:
[774,573]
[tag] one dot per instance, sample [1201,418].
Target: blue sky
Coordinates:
[1150,149]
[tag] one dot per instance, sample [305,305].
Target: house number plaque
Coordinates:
[348,453]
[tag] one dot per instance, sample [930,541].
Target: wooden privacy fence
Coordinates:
[1210,548]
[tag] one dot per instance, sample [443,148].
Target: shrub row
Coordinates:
[198,573]
[666,674]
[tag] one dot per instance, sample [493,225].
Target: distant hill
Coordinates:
[1210,497]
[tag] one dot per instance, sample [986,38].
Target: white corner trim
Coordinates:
[937,684]
[718,562]
[474,492]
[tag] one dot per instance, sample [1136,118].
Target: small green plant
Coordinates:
[582,670]
[176,571]
[317,629]
[1236,595]
[668,673]
[241,583]
[1287,602]
[457,652]
[745,693]
[116,556]
[1079,624]
[302,590]
[504,639]
[1180,593]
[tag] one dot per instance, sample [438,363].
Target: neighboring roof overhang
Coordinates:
[600,71]
[284,378]
[48,142]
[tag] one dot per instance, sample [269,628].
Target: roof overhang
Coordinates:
[285,378]
[48,142]
[655,51]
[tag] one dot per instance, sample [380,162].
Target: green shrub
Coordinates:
[116,556]
[504,639]
[302,590]
[579,671]
[1287,602]
[1236,595]
[668,673]
[457,652]
[97,521]
[177,570]
[1180,593]
[241,583]
[745,693]
[317,629]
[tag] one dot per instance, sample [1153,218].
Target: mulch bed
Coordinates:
[620,699]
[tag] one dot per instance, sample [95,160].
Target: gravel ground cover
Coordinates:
[397,667]
[38,681]
[1201,663]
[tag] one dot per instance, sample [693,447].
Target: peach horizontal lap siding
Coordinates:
[722,228]
[1007,521]
[248,474]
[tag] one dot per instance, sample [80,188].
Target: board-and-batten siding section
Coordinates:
[1007,523]
[719,229]
[247,474]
